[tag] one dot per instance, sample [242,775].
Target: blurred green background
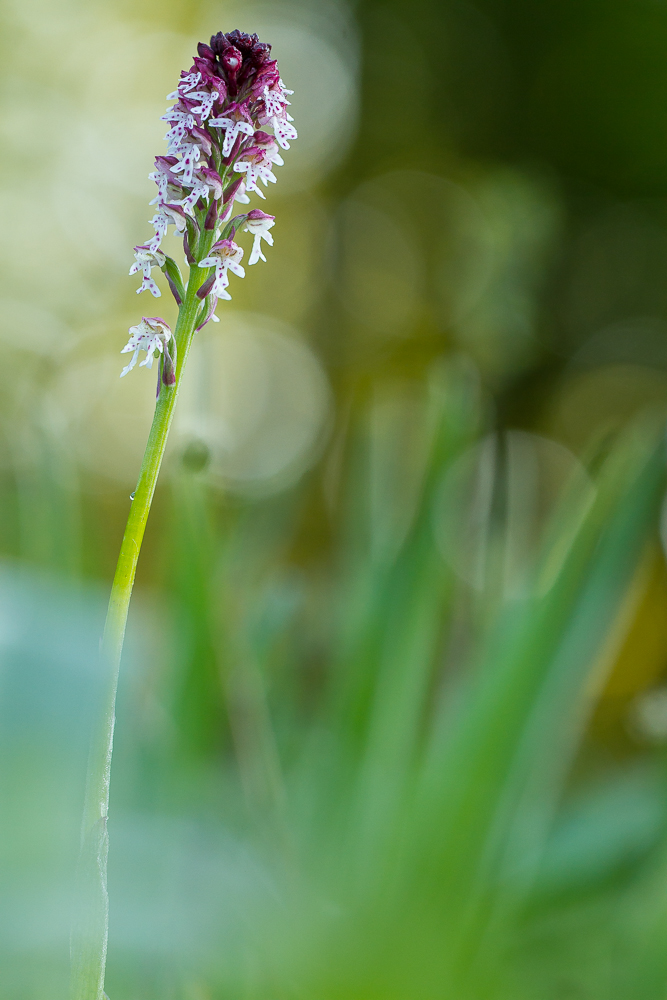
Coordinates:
[393,712]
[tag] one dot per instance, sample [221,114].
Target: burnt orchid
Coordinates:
[218,130]
[225,129]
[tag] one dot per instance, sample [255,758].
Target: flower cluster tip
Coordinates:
[225,130]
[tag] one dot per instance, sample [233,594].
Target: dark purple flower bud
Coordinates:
[169,363]
[255,52]
[232,60]
[238,58]
[267,76]
[173,289]
[240,39]
[231,190]
[204,289]
[211,73]
[194,230]
[189,256]
[212,216]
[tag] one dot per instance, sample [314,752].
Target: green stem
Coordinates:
[89,934]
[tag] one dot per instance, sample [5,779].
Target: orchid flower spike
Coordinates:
[225,130]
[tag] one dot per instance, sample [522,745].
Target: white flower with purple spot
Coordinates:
[234,193]
[224,256]
[176,114]
[162,181]
[258,223]
[159,222]
[177,135]
[204,109]
[151,335]
[276,114]
[190,152]
[168,185]
[257,162]
[284,131]
[233,127]
[199,190]
[144,260]
[187,83]
[175,216]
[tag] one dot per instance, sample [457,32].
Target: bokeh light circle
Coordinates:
[258,399]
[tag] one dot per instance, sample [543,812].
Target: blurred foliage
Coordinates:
[393,716]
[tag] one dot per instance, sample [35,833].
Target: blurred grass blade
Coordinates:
[524,706]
